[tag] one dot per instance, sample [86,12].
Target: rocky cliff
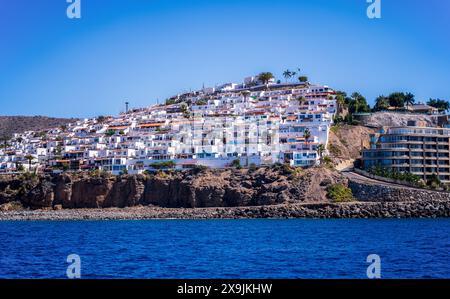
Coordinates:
[346,142]
[188,189]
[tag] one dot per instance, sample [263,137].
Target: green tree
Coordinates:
[170,102]
[287,74]
[265,77]
[307,135]
[236,163]
[433,181]
[340,101]
[409,99]
[110,133]
[397,99]
[381,103]
[185,110]
[303,79]
[301,100]
[320,150]
[441,105]
[357,104]
[101,119]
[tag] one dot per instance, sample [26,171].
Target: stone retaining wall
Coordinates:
[382,193]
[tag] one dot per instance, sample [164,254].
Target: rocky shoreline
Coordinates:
[271,192]
[412,209]
[197,188]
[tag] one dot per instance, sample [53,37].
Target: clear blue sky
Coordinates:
[144,50]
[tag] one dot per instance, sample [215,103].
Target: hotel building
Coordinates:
[422,151]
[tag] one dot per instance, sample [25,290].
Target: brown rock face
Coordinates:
[186,189]
[169,191]
[40,196]
[125,192]
[63,191]
[90,193]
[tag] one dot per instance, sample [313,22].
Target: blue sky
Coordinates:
[142,51]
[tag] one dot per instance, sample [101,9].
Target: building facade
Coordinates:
[422,151]
[213,127]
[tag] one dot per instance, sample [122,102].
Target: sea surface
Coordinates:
[304,248]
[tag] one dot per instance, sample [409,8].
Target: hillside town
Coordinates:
[260,121]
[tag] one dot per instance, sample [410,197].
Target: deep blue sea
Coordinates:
[304,248]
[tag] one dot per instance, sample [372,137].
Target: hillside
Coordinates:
[392,119]
[345,142]
[19,124]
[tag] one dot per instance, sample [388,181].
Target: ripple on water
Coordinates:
[303,248]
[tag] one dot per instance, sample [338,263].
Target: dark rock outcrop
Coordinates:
[262,193]
[185,189]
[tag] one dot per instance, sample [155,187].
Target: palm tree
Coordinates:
[245,94]
[320,151]
[409,99]
[381,103]
[29,158]
[185,110]
[293,74]
[307,135]
[301,99]
[340,101]
[287,74]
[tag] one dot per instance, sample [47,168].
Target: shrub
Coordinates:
[287,169]
[163,165]
[334,128]
[276,166]
[110,133]
[201,102]
[199,168]
[20,167]
[334,149]
[148,175]
[433,181]
[236,163]
[162,174]
[327,161]
[339,193]
[396,175]
[98,173]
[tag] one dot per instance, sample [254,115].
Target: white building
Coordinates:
[210,127]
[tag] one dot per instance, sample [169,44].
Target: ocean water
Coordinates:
[303,248]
